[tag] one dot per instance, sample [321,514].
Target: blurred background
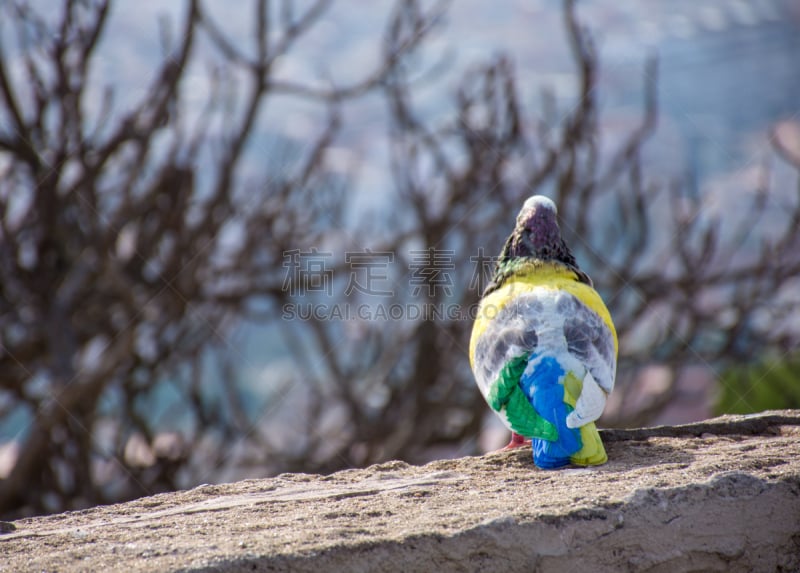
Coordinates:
[235,243]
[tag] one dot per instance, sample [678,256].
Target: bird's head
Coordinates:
[536,236]
[536,233]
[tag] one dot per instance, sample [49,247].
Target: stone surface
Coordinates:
[722,495]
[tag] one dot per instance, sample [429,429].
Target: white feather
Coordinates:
[589,405]
[539,202]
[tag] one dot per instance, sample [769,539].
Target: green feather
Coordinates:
[522,417]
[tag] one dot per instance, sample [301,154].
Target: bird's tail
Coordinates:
[553,393]
[556,454]
[592,452]
[543,388]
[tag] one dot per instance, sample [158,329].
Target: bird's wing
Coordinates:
[590,404]
[505,329]
[591,341]
[507,398]
[503,340]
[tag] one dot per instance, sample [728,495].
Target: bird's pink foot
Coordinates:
[517,441]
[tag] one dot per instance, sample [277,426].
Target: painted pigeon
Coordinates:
[543,347]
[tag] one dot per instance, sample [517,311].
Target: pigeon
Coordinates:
[544,348]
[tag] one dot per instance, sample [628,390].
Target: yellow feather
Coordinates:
[532,275]
[592,453]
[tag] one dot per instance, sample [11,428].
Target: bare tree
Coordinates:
[113,262]
[702,289]
[117,277]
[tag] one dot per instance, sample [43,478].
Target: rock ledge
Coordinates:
[721,495]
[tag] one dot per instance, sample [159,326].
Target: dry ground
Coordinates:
[723,495]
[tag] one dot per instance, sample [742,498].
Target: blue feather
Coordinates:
[542,385]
